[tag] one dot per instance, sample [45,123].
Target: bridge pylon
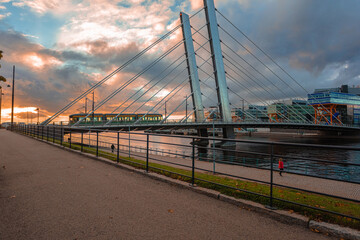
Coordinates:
[218,65]
[193,73]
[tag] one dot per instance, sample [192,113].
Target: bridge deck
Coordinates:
[175,125]
[49,193]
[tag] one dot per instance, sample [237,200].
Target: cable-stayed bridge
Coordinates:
[221,68]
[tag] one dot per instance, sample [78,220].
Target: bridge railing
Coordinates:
[243,168]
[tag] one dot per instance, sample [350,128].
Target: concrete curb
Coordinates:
[335,230]
[279,215]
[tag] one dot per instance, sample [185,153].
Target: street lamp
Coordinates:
[0,102]
[38,114]
[1,94]
[12,99]
[165,110]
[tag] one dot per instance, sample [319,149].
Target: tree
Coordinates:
[2,79]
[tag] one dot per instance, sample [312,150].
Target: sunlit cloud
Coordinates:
[6,113]
[162,93]
[37,61]
[45,6]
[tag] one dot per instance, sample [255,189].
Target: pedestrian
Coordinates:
[281,166]
[112,148]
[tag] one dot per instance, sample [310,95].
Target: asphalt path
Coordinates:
[49,193]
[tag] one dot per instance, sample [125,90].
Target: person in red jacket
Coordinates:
[281,166]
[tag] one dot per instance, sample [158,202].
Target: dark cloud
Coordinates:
[311,34]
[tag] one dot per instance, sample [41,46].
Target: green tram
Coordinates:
[102,118]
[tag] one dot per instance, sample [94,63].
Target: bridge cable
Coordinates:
[269,58]
[143,87]
[242,87]
[116,71]
[148,91]
[210,53]
[162,89]
[266,78]
[293,111]
[162,98]
[132,80]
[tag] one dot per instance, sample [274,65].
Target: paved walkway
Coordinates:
[49,193]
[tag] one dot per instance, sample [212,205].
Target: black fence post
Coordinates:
[42,132]
[271,176]
[82,141]
[129,143]
[97,144]
[61,135]
[117,154]
[147,152]
[47,133]
[53,134]
[70,140]
[193,166]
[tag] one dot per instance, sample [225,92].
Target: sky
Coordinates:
[60,48]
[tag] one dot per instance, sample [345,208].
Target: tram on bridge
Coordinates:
[102,118]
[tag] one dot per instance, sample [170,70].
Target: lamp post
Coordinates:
[165,110]
[12,101]
[86,105]
[93,107]
[1,94]
[0,102]
[38,115]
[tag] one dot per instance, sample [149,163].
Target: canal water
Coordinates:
[295,158]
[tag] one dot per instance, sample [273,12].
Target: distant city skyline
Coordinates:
[60,48]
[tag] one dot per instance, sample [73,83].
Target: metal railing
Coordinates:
[169,153]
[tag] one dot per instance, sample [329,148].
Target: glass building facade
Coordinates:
[347,105]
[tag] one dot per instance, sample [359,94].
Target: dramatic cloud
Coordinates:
[61,48]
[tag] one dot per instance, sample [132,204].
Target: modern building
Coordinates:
[254,111]
[336,105]
[292,110]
